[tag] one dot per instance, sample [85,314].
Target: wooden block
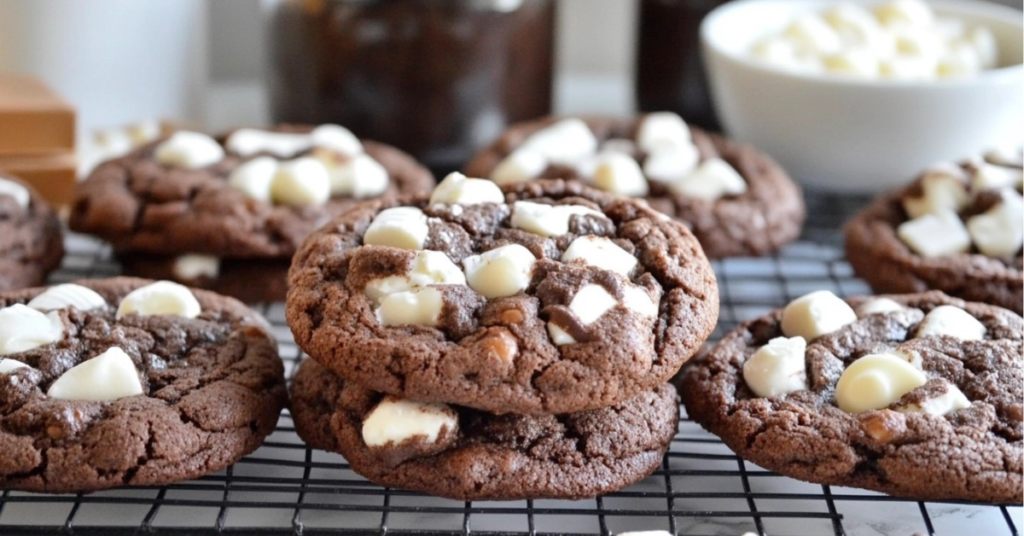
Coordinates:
[53,175]
[33,119]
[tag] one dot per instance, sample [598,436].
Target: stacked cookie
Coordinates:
[227,215]
[483,344]
[31,244]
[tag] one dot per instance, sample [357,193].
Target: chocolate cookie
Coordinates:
[122,381]
[551,298]
[736,200]
[31,245]
[916,395]
[202,204]
[470,455]
[956,228]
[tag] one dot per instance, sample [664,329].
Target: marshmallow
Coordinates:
[11,365]
[564,142]
[876,306]
[619,173]
[942,190]
[671,164]
[520,166]
[876,381]
[812,36]
[194,266]
[457,189]
[108,376]
[591,302]
[396,420]
[637,299]
[999,232]
[426,268]
[502,271]
[399,227]
[950,321]
[935,235]
[601,253]
[559,336]
[249,141]
[712,180]
[816,314]
[904,13]
[23,328]
[16,191]
[853,62]
[253,178]
[777,368]
[336,138]
[661,130]
[301,182]
[358,176]
[160,298]
[190,150]
[67,295]
[546,220]
[991,177]
[948,402]
[418,307]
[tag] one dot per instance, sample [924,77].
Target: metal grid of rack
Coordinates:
[702,488]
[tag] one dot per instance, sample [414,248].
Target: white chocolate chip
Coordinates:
[953,399]
[876,306]
[935,235]
[904,14]
[984,43]
[194,266]
[671,164]
[990,177]
[23,328]
[876,381]
[190,150]
[249,141]
[999,232]
[113,142]
[67,295]
[160,298]
[358,176]
[520,166]
[108,376]
[812,35]
[816,314]
[713,179]
[920,43]
[910,356]
[143,132]
[661,130]
[943,188]
[301,182]
[777,368]
[856,26]
[564,142]
[637,299]
[11,365]
[1006,155]
[853,62]
[546,220]
[502,271]
[559,336]
[16,191]
[590,302]
[907,68]
[602,253]
[785,54]
[418,307]
[253,178]
[959,60]
[427,268]
[619,173]
[457,189]
[950,321]
[399,227]
[336,138]
[396,420]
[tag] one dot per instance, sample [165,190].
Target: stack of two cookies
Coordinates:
[483,344]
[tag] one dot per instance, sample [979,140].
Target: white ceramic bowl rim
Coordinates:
[974,8]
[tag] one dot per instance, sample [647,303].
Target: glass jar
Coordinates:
[436,78]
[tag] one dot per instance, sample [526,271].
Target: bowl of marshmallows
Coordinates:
[860,95]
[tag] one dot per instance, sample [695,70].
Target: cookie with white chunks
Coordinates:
[958,228]
[123,381]
[736,200]
[466,454]
[548,298]
[915,395]
[31,245]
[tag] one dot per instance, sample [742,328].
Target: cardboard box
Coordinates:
[33,119]
[53,175]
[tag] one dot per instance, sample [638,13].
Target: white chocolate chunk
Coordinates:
[399,227]
[23,328]
[11,365]
[876,306]
[559,336]
[194,266]
[358,176]
[660,130]
[546,220]
[999,232]
[950,321]
[816,314]
[637,299]
[853,62]
[990,177]
[396,420]
[876,381]
[457,189]
[812,35]
[619,173]
[910,356]
[253,178]
[190,150]
[564,142]
[336,138]
[108,376]
[590,302]
[427,268]
[160,298]
[16,191]
[953,399]
[602,253]
[301,182]
[777,368]
[943,188]
[249,141]
[671,164]
[713,179]
[904,13]
[520,166]
[935,235]
[418,307]
[502,271]
[67,295]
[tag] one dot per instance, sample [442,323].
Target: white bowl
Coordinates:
[850,135]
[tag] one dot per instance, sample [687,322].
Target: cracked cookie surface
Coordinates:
[31,245]
[972,453]
[213,388]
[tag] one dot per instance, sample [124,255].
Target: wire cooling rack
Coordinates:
[700,489]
